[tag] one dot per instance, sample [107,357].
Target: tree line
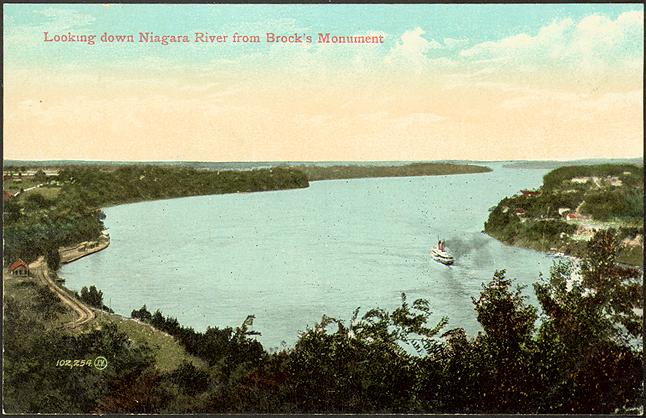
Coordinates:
[36,225]
[579,354]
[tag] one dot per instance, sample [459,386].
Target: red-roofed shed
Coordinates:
[19,268]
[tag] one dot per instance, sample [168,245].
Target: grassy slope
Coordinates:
[46,191]
[168,353]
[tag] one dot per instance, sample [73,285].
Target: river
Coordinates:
[288,257]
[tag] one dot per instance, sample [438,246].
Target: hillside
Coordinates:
[338,172]
[572,204]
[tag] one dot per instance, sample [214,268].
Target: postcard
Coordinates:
[290,208]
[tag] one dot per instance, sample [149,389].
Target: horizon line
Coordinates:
[318,161]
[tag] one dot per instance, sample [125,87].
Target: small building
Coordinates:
[6,196]
[563,211]
[571,216]
[519,212]
[19,268]
[530,192]
[580,180]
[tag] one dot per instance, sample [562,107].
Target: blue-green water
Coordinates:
[291,256]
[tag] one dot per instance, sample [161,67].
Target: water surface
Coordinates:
[289,257]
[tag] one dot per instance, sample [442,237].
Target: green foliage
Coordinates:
[579,357]
[506,318]
[141,314]
[190,379]
[613,204]
[500,356]
[543,228]
[39,233]
[37,201]
[53,259]
[39,225]
[40,176]
[92,296]
[100,187]
[415,169]
[32,380]
[590,326]
[229,348]
[362,367]
[557,177]
[11,211]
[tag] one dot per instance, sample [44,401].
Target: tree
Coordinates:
[37,200]
[365,366]
[53,258]
[142,314]
[40,176]
[505,347]
[92,296]
[588,357]
[11,211]
[190,379]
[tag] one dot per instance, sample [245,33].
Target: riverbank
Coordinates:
[75,252]
[76,317]
[570,207]
[384,224]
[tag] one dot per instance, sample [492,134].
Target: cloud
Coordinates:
[66,19]
[455,43]
[18,37]
[412,48]
[595,41]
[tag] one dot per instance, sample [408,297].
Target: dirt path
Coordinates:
[41,272]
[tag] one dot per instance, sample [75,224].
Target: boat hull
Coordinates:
[442,257]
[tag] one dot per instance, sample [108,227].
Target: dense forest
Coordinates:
[416,169]
[581,354]
[36,225]
[593,196]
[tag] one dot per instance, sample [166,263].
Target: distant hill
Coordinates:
[546,164]
[248,165]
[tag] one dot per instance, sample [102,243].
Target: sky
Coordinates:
[478,82]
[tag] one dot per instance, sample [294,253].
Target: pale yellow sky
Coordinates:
[516,97]
[66,118]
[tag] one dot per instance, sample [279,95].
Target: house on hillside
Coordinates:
[571,217]
[563,211]
[530,193]
[19,268]
[6,196]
